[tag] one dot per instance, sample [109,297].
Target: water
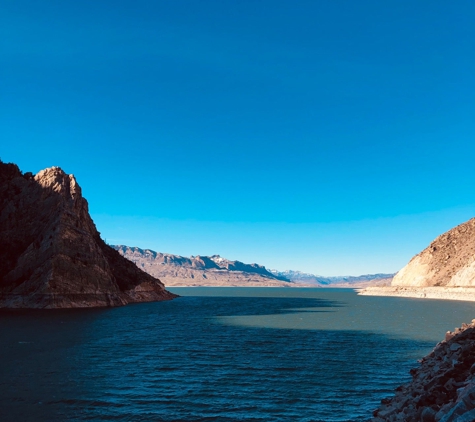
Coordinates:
[218,354]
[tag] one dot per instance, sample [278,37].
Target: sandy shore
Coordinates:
[446,293]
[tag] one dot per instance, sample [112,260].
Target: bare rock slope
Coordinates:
[176,270]
[444,270]
[448,261]
[52,256]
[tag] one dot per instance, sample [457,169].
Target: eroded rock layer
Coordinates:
[52,256]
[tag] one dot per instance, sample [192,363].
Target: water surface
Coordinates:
[218,354]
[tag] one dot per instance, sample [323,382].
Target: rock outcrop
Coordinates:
[51,254]
[448,261]
[176,270]
[442,388]
[444,270]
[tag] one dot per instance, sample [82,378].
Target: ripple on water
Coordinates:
[218,355]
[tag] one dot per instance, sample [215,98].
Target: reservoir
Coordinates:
[218,354]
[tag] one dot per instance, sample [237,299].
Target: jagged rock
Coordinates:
[51,254]
[449,335]
[428,415]
[439,391]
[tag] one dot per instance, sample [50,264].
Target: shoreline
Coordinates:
[442,293]
[442,386]
[293,286]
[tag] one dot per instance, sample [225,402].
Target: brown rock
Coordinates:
[448,261]
[51,253]
[439,391]
[449,335]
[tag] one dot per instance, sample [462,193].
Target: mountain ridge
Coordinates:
[199,270]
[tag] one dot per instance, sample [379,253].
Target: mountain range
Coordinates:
[176,270]
[335,281]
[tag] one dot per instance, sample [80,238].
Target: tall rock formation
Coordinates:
[52,256]
[448,261]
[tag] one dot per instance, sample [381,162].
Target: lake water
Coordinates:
[218,354]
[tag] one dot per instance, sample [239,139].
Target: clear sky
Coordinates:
[329,136]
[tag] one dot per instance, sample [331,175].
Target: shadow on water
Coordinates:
[175,361]
[255,306]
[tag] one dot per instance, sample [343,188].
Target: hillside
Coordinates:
[51,254]
[444,270]
[176,270]
[448,261]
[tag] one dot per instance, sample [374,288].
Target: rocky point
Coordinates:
[52,255]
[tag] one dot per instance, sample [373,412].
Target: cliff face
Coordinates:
[175,270]
[51,253]
[449,261]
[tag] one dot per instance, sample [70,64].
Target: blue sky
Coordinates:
[334,137]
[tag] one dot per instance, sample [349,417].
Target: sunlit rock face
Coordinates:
[51,254]
[449,261]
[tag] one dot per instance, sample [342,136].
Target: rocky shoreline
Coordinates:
[442,387]
[444,293]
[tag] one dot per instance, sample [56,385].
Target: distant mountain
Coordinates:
[176,270]
[301,278]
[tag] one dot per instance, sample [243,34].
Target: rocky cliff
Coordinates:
[176,270]
[52,256]
[442,388]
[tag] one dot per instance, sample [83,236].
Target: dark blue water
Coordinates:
[230,354]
